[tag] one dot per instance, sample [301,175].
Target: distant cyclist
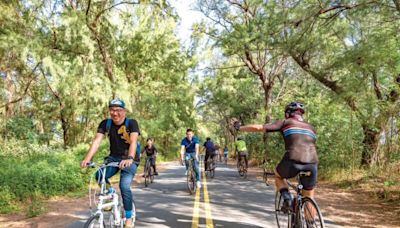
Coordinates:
[241,151]
[226,151]
[301,153]
[190,149]
[151,153]
[210,151]
[123,134]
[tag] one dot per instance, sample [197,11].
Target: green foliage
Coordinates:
[7,199]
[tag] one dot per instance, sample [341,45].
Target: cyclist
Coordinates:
[226,151]
[241,151]
[210,151]
[151,153]
[190,149]
[301,153]
[123,134]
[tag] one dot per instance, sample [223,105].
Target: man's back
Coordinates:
[241,145]
[209,145]
[300,138]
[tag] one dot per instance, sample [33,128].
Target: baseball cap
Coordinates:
[117,103]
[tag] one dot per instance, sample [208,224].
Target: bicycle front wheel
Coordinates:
[283,219]
[94,222]
[191,182]
[151,174]
[310,214]
[146,174]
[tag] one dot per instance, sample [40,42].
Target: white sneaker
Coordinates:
[198,184]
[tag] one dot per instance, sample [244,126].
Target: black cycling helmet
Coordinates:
[294,106]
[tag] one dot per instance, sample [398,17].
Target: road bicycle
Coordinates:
[211,166]
[241,165]
[304,213]
[148,171]
[106,201]
[191,176]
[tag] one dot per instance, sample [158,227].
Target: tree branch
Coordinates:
[113,6]
[397,4]
[26,88]
[377,87]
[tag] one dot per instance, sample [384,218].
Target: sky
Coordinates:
[185,9]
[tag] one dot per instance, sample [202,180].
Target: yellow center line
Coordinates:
[209,221]
[195,219]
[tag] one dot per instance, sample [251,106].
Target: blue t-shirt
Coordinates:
[190,146]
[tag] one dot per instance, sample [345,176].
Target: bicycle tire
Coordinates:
[310,214]
[146,176]
[283,220]
[151,174]
[111,219]
[93,222]
[190,182]
[133,212]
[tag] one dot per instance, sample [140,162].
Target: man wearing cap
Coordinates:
[123,143]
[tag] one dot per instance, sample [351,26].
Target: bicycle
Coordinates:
[241,165]
[148,171]
[191,177]
[103,200]
[211,166]
[267,167]
[305,211]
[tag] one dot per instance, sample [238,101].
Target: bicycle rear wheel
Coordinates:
[94,222]
[311,216]
[133,212]
[283,220]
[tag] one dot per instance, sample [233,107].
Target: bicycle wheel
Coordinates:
[191,185]
[146,174]
[133,212]
[310,214]
[111,219]
[282,219]
[94,222]
[151,174]
[212,173]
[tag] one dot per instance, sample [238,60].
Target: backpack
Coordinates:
[210,146]
[126,123]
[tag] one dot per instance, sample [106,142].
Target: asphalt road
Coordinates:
[224,201]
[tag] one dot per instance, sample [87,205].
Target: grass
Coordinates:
[382,183]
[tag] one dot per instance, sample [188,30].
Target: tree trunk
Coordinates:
[9,108]
[267,99]
[65,126]
[370,145]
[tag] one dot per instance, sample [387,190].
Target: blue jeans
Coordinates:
[196,164]
[125,181]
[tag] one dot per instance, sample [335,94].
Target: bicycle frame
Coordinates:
[298,198]
[103,196]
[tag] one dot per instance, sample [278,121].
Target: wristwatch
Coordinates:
[130,157]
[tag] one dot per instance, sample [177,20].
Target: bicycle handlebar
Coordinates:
[110,164]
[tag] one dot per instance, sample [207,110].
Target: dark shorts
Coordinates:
[288,169]
[243,154]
